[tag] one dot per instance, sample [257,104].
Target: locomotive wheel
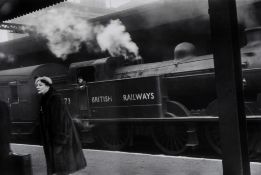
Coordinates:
[213,137]
[169,138]
[212,131]
[172,138]
[254,140]
[114,136]
[212,108]
[177,109]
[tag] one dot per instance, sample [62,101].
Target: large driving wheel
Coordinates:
[114,136]
[212,108]
[213,137]
[254,139]
[171,138]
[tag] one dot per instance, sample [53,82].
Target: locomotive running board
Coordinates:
[173,119]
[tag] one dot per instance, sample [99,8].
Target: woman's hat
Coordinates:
[44,79]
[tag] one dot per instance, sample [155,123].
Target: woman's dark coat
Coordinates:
[59,133]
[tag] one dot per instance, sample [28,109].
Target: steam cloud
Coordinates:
[63,32]
[66,33]
[247,13]
[6,58]
[116,40]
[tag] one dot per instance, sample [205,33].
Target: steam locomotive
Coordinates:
[173,101]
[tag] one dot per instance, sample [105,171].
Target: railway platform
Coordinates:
[122,163]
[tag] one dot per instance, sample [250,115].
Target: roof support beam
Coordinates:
[16,8]
[13,28]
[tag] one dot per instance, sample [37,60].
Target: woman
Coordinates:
[61,143]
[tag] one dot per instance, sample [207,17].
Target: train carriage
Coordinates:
[17,89]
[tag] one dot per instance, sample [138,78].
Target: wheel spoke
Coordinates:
[114,137]
[170,139]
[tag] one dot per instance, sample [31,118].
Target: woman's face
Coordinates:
[41,87]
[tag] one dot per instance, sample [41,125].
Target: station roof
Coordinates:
[16,8]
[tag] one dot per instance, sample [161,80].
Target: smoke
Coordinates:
[66,33]
[247,14]
[63,31]
[114,39]
[6,58]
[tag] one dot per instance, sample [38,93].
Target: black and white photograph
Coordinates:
[130,87]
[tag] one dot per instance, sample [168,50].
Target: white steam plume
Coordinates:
[66,33]
[246,13]
[116,40]
[6,58]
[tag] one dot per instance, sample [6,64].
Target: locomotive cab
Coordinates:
[90,71]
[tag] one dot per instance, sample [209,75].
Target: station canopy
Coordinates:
[15,8]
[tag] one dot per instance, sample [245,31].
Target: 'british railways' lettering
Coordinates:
[102,99]
[138,96]
[125,97]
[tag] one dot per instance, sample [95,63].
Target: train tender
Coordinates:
[173,101]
